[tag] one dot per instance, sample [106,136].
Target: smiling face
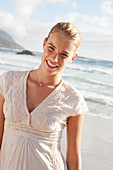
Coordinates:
[58,51]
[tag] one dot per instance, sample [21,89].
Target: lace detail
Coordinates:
[35,136]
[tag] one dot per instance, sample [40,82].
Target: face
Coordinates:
[58,51]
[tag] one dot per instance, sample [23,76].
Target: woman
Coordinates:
[38,104]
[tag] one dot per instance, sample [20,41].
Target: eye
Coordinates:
[64,55]
[51,48]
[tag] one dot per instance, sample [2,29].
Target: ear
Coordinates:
[44,42]
[73,57]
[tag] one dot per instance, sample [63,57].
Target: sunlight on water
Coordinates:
[94,78]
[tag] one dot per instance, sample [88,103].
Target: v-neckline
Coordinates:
[43,101]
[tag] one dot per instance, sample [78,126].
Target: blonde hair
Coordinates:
[69,30]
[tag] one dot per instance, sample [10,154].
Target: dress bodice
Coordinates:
[32,140]
[51,115]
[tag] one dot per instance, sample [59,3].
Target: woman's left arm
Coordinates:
[74,129]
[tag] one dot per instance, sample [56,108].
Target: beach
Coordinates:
[96,143]
[94,79]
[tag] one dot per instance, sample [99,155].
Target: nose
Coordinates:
[55,57]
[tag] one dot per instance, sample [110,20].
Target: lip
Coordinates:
[51,65]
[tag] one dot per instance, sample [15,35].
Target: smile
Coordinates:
[51,65]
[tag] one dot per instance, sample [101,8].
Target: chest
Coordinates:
[35,95]
[47,107]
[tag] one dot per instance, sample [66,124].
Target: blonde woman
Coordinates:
[38,104]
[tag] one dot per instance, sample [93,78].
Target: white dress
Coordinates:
[31,141]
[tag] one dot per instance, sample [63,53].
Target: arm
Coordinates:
[1,118]
[74,128]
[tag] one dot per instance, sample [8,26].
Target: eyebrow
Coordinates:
[55,47]
[51,45]
[65,52]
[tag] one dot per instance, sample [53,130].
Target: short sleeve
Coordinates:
[79,105]
[73,102]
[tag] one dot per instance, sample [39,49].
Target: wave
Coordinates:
[109,116]
[16,64]
[82,65]
[108,71]
[94,82]
[16,57]
[11,66]
[90,61]
[19,62]
[86,80]
[98,98]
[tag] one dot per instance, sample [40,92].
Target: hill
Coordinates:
[6,41]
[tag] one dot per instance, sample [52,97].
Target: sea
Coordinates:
[92,77]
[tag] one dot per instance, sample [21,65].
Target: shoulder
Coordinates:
[71,90]
[74,99]
[14,74]
[9,76]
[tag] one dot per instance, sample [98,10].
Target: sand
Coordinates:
[96,144]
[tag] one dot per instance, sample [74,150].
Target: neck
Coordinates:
[47,80]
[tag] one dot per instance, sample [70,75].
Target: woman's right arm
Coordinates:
[2,118]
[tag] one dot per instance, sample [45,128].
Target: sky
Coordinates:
[29,21]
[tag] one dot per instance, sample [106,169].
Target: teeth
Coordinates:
[52,64]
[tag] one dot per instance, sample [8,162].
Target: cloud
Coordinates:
[80,18]
[74,5]
[25,8]
[37,31]
[27,33]
[71,17]
[96,20]
[54,1]
[107,7]
[13,25]
[97,43]
[96,33]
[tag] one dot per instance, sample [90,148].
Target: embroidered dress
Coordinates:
[31,141]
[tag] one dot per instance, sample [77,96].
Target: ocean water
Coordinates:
[93,78]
